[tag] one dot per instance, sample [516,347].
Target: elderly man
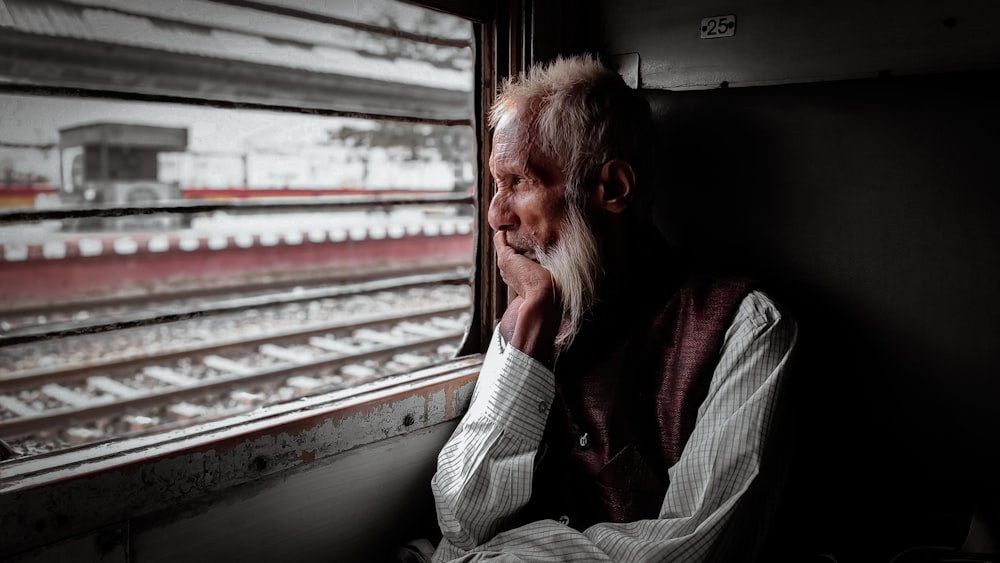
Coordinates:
[625,405]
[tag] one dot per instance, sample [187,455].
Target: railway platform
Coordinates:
[40,264]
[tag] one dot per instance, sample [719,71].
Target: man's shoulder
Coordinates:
[706,281]
[747,297]
[708,287]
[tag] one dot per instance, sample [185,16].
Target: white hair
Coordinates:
[583,114]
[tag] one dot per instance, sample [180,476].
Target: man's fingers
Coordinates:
[522,274]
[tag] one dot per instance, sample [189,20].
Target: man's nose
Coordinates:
[500,216]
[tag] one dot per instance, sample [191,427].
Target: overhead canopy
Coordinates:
[99,47]
[125,134]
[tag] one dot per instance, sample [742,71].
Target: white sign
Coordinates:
[718,26]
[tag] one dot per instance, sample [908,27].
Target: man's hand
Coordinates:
[532,320]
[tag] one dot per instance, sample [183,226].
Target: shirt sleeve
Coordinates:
[485,469]
[712,478]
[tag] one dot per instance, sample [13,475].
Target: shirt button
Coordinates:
[564,520]
[584,440]
[543,407]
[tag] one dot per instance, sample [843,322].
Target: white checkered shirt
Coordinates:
[485,471]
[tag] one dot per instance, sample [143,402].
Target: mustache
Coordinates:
[525,247]
[520,244]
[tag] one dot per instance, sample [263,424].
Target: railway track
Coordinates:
[69,319]
[377,331]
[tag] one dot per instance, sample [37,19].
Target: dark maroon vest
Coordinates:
[627,395]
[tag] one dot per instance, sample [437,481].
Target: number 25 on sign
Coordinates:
[718,26]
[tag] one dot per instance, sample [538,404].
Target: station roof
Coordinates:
[217,51]
[125,134]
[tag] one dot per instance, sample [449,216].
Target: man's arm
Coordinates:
[712,478]
[485,470]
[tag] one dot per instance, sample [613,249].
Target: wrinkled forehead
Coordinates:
[512,141]
[516,147]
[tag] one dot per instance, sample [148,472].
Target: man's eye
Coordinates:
[512,181]
[508,181]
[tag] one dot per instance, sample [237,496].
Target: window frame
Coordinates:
[49,498]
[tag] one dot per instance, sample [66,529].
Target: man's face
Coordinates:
[531,207]
[530,203]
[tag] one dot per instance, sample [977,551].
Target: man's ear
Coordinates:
[615,186]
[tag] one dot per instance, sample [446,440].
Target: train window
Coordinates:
[213,210]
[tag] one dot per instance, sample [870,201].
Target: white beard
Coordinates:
[575,266]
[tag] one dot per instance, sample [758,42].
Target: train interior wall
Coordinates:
[359,506]
[869,206]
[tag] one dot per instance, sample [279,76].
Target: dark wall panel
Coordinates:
[871,207]
[783,41]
